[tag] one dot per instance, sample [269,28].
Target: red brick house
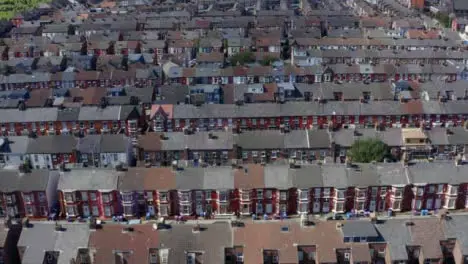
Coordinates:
[84,193]
[31,194]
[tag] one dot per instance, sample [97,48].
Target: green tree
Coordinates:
[242,58]
[267,60]
[443,19]
[368,150]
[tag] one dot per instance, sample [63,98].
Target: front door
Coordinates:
[316,208]
[372,206]
[151,210]
[381,205]
[85,210]
[430,204]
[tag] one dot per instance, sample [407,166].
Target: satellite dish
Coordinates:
[2,141]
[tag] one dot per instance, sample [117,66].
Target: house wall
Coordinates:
[13,159]
[42,161]
[113,159]
[51,190]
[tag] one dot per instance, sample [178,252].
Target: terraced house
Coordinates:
[403,240]
[273,190]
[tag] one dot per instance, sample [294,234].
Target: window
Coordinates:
[374,191]
[326,192]
[95,210]
[163,196]
[245,155]
[451,203]
[303,207]
[341,194]
[84,196]
[254,154]
[396,205]
[163,209]
[284,195]
[318,192]
[29,198]
[128,210]
[29,209]
[304,194]
[42,197]
[440,188]
[43,210]
[361,206]
[274,154]
[245,195]
[223,196]
[339,206]
[106,197]
[70,210]
[185,197]
[186,209]
[418,204]
[454,190]
[223,208]
[85,210]
[199,195]
[36,158]
[107,211]
[259,194]
[268,194]
[259,208]
[93,196]
[69,197]
[398,192]
[116,157]
[420,191]
[431,189]
[127,197]
[149,196]
[361,193]
[383,192]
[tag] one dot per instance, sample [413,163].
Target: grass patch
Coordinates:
[9,8]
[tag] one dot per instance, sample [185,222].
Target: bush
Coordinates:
[267,60]
[242,58]
[8,8]
[368,150]
[443,19]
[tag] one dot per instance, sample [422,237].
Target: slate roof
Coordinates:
[211,241]
[359,228]
[28,115]
[397,235]
[111,238]
[147,179]
[51,144]
[14,181]
[42,237]
[15,145]
[84,179]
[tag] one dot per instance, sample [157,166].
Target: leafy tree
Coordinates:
[368,150]
[242,58]
[286,50]
[443,19]
[267,60]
